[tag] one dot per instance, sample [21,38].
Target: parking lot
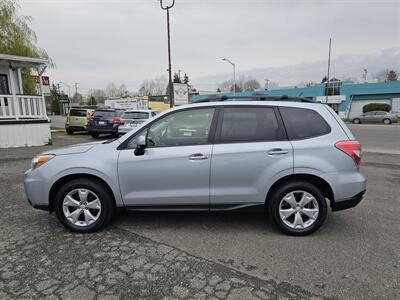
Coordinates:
[223,255]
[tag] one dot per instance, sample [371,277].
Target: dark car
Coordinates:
[105,121]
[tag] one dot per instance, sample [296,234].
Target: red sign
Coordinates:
[45,80]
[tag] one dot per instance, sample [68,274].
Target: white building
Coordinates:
[23,118]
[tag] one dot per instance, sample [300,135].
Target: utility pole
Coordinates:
[179,74]
[59,97]
[329,67]
[76,88]
[171,89]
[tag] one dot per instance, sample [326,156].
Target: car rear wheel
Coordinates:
[387,121]
[356,121]
[298,208]
[84,205]
[94,135]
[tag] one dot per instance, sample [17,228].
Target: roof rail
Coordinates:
[259,97]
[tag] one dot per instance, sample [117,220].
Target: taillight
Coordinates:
[117,120]
[351,148]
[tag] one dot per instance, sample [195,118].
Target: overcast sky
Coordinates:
[97,42]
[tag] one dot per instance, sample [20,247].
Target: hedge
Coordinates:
[376,106]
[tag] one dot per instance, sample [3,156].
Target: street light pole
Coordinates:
[234,74]
[171,90]
[329,67]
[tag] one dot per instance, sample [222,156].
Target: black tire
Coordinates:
[387,121]
[356,121]
[69,131]
[282,191]
[107,204]
[94,135]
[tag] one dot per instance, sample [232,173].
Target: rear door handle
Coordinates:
[277,151]
[198,156]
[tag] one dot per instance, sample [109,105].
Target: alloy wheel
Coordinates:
[81,207]
[298,209]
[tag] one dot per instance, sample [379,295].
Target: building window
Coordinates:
[332,88]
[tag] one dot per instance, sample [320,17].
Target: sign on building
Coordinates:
[127,103]
[331,99]
[181,94]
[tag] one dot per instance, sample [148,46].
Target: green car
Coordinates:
[78,119]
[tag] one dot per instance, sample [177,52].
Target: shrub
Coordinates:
[376,106]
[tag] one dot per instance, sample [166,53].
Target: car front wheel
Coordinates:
[298,208]
[356,121]
[387,121]
[84,205]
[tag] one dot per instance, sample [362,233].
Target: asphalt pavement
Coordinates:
[355,255]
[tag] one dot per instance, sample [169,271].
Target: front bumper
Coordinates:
[35,190]
[347,203]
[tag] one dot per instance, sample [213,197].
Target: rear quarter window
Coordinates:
[302,123]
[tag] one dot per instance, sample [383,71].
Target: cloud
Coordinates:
[341,66]
[97,42]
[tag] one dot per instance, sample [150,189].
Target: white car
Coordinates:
[133,118]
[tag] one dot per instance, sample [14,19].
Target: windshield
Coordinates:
[135,115]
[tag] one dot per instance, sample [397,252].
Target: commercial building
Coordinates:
[346,98]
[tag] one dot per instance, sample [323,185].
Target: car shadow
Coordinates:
[192,221]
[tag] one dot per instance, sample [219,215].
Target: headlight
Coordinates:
[39,160]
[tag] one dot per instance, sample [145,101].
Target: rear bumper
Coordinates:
[76,128]
[125,129]
[103,130]
[347,203]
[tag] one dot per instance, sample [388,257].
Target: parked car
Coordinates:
[133,118]
[77,119]
[105,121]
[288,158]
[375,117]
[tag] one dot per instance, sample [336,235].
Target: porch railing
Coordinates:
[22,107]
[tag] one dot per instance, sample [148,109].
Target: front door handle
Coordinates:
[198,156]
[277,151]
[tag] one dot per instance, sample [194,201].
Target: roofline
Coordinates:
[22,60]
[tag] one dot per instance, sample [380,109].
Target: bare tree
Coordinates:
[242,84]
[122,91]
[111,90]
[251,84]
[151,87]
[98,94]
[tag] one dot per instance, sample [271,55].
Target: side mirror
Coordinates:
[141,144]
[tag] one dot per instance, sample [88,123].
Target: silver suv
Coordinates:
[287,157]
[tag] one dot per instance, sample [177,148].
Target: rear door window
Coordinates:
[302,123]
[249,124]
